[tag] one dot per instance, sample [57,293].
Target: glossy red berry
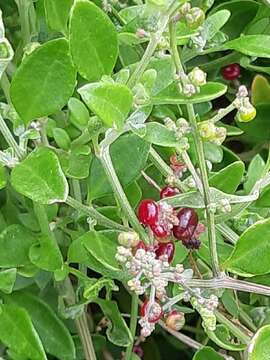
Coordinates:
[165,249]
[160,231]
[148,212]
[154,313]
[188,221]
[231,72]
[192,244]
[168,191]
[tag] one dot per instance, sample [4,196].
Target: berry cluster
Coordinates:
[164,221]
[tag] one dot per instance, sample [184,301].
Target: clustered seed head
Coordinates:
[212,133]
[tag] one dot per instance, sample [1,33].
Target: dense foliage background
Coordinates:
[90,101]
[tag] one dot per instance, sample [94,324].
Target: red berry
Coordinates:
[192,244]
[137,349]
[231,72]
[154,313]
[165,249]
[160,231]
[142,245]
[168,191]
[148,212]
[188,221]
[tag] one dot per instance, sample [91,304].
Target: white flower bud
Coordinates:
[128,239]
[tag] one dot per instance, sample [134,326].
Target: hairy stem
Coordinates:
[10,139]
[90,211]
[201,159]
[133,324]
[235,330]
[119,193]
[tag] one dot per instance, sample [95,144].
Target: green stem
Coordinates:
[10,139]
[42,219]
[228,233]
[120,195]
[90,211]
[165,170]
[76,190]
[201,160]
[133,324]
[222,113]
[5,85]
[154,40]
[235,330]
[23,8]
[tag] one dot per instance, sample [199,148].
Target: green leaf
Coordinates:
[229,178]
[251,255]
[40,177]
[172,95]
[214,23]
[260,90]
[93,41]
[207,353]
[79,161]
[157,134]
[54,335]
[44,81]
[259,347]
[7,280]
[79,115]
[129,156]
[57,13]
[252,45]
[94,286]
[255,172]
[110,101]
[46,254]
[97,251]
[118,332]
[3,177]
[221,336]
[15,242]
[18,333]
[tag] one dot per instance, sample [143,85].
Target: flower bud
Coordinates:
[195,18]
[207,130]
[128,239]
[197,77]
[175,320]
[221,134]
[185,8]
[246,114]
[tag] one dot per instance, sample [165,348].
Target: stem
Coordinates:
[222,113]
[5,85]
[192,170]
[120,195]
[133,324]
[90,211]
[229,234]
[76,190]
[23,8]
[230,283]
[154,40]
[232,327]
[10,139]
[201,159]
[165,170]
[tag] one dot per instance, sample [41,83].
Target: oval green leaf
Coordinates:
[57,13]
[93,41]
[54,335]
[18,333]
[110,101]
[44,81]
[252,45]
[207,353]
[172,95]
[253,244]
[259,347]
[40,178]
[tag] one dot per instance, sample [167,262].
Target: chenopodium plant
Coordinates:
[111,174]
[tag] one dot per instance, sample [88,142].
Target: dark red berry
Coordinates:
[137,349]
[168,191]
[160,231]
[188,221]
[165,249]
[154,313]
[231,72]
[192,244]
[148,212]
[142,245]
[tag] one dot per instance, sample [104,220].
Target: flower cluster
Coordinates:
[212,133]
[190,84]
[150,270]
[246,111]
